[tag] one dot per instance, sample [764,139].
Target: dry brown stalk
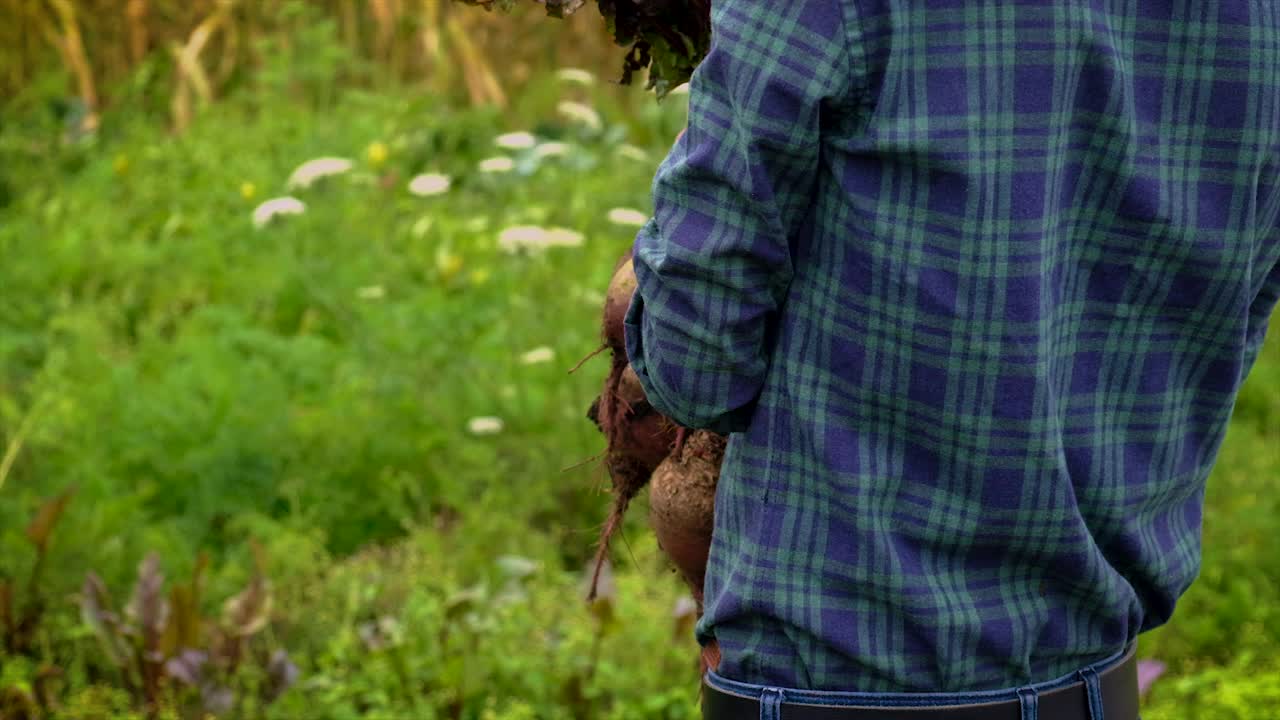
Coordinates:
[70,45]
[136,13]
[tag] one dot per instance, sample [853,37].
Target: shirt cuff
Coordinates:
[736,420]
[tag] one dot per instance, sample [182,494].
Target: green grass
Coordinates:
[205,383]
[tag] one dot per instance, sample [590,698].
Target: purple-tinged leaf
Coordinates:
[283,674]
[8,624]
[148,608]
[47,683]
[217,699]
[95,611]
[46,519]
[187,667]
[1148,672]
[18,704]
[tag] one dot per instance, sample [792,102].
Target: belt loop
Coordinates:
[1029,699]
[1094,693]
[771,704]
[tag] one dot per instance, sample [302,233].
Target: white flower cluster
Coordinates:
[428,184]
[628,217]
[551,150]
[537,356]
[486,425]
[312,171]
[531,238]
[580,113]
[576,76]
[499,164]
[276,207]
[516,141]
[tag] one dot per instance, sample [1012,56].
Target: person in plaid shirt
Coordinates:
[973,286]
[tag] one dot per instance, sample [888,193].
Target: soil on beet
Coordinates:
[682,493]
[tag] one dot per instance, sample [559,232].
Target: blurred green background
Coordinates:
[330,463]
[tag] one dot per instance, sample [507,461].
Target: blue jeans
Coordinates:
[771,698]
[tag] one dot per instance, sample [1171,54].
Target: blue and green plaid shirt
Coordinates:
[974,285]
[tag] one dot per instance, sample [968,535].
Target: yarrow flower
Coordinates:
[534,238]
[576,76]
[270,209]
[550,150]
[562,237]
[515,141]
[579,113]
[500,164]
[429,184]
[521,237]
[486,425]
[537,356]
[627,216]
[310,171]
[631,152]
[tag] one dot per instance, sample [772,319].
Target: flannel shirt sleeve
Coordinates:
[714,264]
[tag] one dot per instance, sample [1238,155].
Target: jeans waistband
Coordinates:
[922,699]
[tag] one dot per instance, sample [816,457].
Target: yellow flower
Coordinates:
[448,264]
[120,165]
[377,153]
[248,190]
[479,276]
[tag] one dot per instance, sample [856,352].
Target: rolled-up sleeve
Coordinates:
[714,264]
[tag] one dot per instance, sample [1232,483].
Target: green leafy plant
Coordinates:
[667,37]
[21,611]
[310,384]
[21,608]
[162,645]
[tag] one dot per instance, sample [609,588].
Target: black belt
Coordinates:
[1118,687]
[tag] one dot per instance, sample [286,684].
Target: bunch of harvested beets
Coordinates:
[680,466]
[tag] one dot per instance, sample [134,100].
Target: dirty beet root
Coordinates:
[638,438]
[682,495]
[637,435]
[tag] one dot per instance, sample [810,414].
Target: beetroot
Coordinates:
[638,437]
[643,444]
[616,301]
[681,504]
